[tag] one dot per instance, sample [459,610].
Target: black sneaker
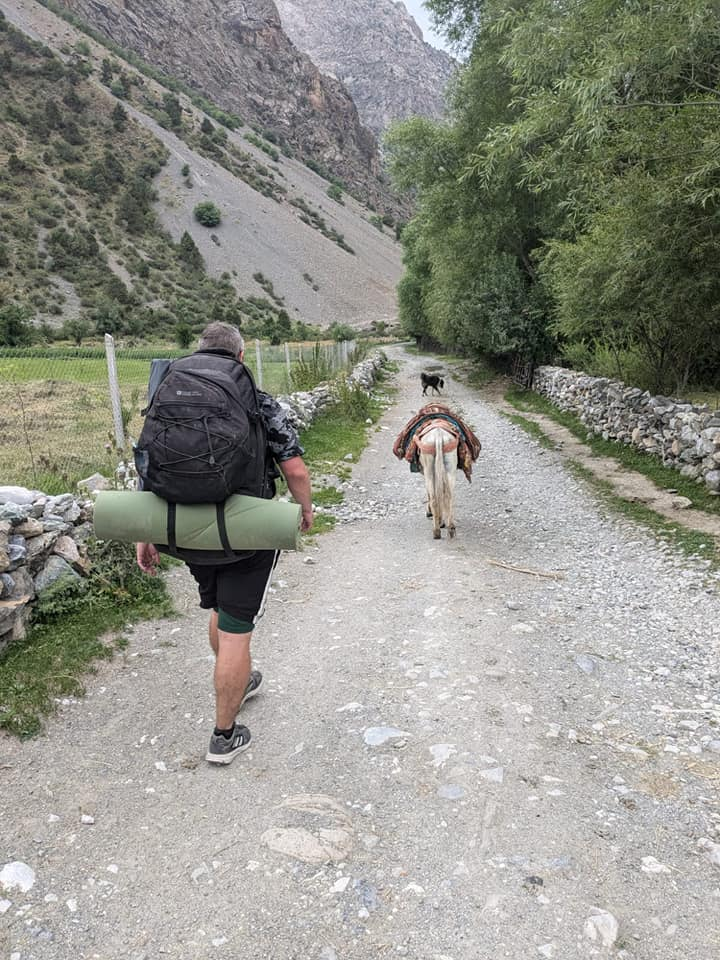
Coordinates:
[225,749]
[254,686]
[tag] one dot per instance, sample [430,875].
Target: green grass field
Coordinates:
[56,417]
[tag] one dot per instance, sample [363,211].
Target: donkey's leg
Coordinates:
[450,468]
[426,467]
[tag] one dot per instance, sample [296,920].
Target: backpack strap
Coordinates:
[222,529]
[172,543]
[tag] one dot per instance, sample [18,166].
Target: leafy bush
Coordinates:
[207,214]
[354,401]
[15,331]
[309,372]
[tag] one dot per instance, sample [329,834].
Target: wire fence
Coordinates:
[59,418]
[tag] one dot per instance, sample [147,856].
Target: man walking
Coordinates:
[235,590]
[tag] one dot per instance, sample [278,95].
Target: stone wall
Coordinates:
[302,407]
[682,435]
[42,538]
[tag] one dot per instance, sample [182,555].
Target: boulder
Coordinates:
[10,612]
[55,569]
[18,495]
[56,523]
[22,583]
[7,585]
[82,533]
[14,512]
[29,528]
[16,551]
[36,510]
[712,479]
[38,546]
[66,548]
[4,560]
[94,483]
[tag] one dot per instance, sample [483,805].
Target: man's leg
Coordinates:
[232,674]
[213,631]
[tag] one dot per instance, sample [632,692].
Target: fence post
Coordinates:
[287,360]
[115,400]
[258,360]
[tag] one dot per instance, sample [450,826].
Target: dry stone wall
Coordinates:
[42,538]
[682,435]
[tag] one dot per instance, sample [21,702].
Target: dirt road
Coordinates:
[453,760]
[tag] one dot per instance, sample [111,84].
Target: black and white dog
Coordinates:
[431,380]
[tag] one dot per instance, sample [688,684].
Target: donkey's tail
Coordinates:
[442,488]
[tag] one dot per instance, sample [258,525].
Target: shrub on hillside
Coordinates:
[207,214]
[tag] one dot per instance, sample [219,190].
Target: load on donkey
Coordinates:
[436,442]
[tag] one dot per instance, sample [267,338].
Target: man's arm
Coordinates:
[298,481]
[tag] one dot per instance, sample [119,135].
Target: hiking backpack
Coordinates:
[203,438]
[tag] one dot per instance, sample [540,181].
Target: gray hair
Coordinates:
[221,336]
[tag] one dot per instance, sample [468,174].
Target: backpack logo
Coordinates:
[188,393]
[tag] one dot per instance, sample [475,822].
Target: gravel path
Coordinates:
[452,760]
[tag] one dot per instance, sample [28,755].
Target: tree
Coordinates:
[109,317]
[15,329]
[206,127]
[119,117]
[171,106]
[207,214]
[76,329]
[106,72]
[134,204]
[341,331]
[582,148]
[189,252]
[183,335]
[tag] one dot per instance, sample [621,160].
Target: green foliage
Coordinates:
[119,117]
[189,253]
[354,401]
[77,329]
[308,372]
[207,214]
[172,108]
[15,330]
[341,331]
[572,203]
[335,192]
[183,334]
[262,145]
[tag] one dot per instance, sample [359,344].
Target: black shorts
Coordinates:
[239,589]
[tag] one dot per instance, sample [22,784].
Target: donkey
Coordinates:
[438,462]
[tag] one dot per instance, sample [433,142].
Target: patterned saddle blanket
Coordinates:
[437,414]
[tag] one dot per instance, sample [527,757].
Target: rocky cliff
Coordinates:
[377,50]
[238,54]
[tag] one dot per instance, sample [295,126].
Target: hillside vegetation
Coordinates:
[104,230]
[77,189]
[571,210]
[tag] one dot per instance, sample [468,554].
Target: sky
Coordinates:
[422,17]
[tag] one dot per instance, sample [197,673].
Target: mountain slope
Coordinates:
[282,243]
[377,50]
[237,53]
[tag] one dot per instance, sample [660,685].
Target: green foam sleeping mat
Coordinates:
[251,523]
